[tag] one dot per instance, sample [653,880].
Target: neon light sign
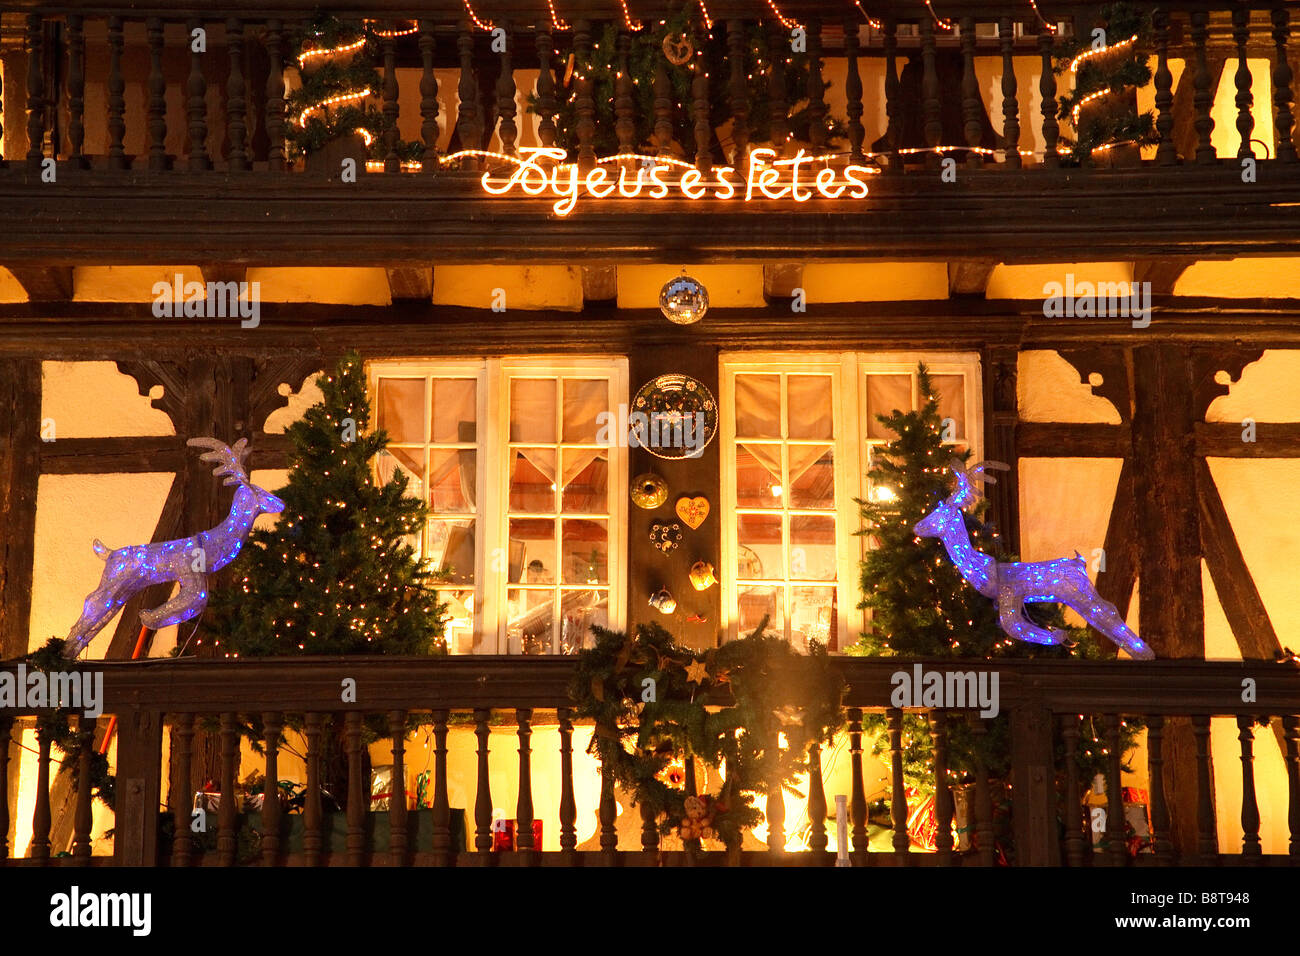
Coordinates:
[658,177]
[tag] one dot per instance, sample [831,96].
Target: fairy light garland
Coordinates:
[708,21]
[1051,27]
[302,117]
[556,22]
[388,34]
[1089,54]
[941,22]
[486,27]
[316,52]
[1074,114]
[875,24]
[788,24]
[635,26]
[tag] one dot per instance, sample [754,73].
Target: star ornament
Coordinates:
[696,672]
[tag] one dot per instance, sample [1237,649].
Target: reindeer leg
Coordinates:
[1104,616]
[1012,620]
[186,603]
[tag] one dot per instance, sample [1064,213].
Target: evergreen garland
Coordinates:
[649,712]
[1106,81]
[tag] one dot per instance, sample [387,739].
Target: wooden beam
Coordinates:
[1000,365]
[969,276]
[600,284]
[20,445]
[224,272]
[44,283]
[780,279]
[1116,580]
[1113,368]
[1162,273]
[410,282]
[169,453]
[1072,440]
[1228,440]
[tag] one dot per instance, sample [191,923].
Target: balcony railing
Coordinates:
[1177,700]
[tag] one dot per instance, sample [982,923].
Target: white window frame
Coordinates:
[848,371]
[492,528]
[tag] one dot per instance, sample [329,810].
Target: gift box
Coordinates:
[503,835]
[1137,819]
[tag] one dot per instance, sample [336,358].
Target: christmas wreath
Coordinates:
[656,704]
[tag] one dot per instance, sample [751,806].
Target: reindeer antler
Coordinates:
[229,461]
[966,478]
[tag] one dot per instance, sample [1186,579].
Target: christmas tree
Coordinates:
[337,574]
[921,606]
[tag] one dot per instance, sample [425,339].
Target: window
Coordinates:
[799,431]
[526,507]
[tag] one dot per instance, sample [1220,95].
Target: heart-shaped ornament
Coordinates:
[693,510]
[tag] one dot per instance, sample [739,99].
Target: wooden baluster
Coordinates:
[311,839]
[505,90]
[546,106]
[83,817]
[930,94]
[1291,757]
[649,835]
[35,93]
[397,790]
[182,799]
[1075,830]
[1249,806]
[853,88]
[1010,107]
[228,809]
[700,111]
[663,91]
[442,852]
[483,792]
[624,104]
[983,796]
[1159,807]
[157,111]
[275,106]
[776,92]
[817,134]
[429,131]
[858,798]
[1283,121]
[568,803]
[272,724]
[529,852]
[358,798]
[236,108]
[818,840]
[1047,89]
[898,792]
[1114,792]
[1166,152]
[6,725]
[2,166]
[606,813]
[1207,843]
[388,45]
[1244,100]
[76,90]
[469,122]
[1204,96]
[116,97]
[197,105]
[584,102]
[40,845]
[775,808]
[971,106]
[893,96]
[737,49]
[942,789]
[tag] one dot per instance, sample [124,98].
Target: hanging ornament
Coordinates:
[702,576]
[674,416]
[663,602]
[666,537]
[678,48]
[649,491]
[693,510]
[683,300]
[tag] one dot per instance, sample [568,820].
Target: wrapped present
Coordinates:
[503,835]
[1137,819]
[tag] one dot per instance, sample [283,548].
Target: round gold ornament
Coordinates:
[649,491]
[678,48]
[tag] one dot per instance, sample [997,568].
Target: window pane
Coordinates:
[761,535]
[586,481]
[401,408]
[812,616]
[451,548]
[758,406]
[529,621]
[951,390]
[812,477]
[459,628]
[808,406]
[584,399]
[532,410]
[532,551]
[451,480]
[585,548]
[758,602]
[409,461]
[579,610]
[455,409]
[812,547]
[758,474]
[886,393]
[532,480]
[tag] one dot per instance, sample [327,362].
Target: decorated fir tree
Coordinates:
[337,574]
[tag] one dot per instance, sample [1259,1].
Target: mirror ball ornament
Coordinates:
[683,300]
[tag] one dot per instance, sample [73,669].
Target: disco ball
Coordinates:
[683,300]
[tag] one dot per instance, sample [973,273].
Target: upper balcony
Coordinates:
[176,133]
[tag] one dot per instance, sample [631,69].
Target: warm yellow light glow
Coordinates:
[1089,54]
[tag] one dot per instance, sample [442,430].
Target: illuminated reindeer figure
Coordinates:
[1015,583]
[187,561]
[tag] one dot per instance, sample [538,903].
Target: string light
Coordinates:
[875,24]
[788,24]
[316,52]
[708,21]
[403,32]
[555,19]
[939,21]
[633,25]
[1051,27]
[1074,114]
[486,27]
[1088,54]
[340,98]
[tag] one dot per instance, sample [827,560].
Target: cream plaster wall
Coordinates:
[1027,282]
[874,281]
[95,400]
[523,287]
[1274,277]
